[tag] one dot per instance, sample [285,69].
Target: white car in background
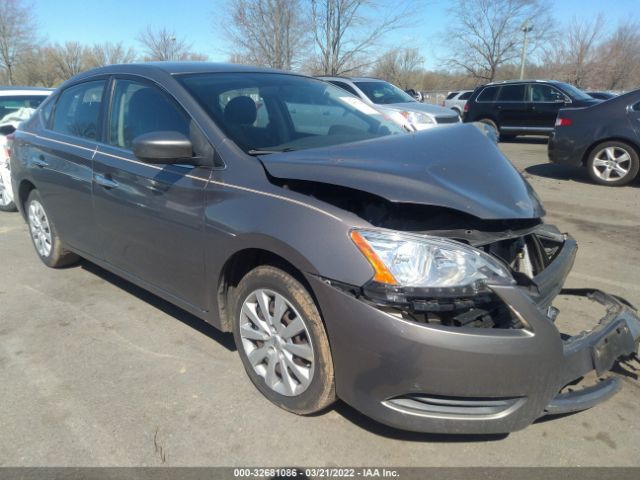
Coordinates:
[17,104]
[457,100]
[398,105]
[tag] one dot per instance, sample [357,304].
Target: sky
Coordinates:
[199,22]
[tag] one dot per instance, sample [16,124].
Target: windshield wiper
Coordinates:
[267,152]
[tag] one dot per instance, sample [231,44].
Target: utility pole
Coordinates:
[526,28]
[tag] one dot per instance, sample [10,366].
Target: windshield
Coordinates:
[271,112]
[574,92]
[383,93]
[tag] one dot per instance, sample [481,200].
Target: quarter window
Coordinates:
[345,86]
[77,110]
[465,96]
[137,109]
[511,93]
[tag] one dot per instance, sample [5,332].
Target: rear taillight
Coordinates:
[563,122]
[466,107]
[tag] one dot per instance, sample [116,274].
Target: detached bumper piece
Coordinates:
[615,337]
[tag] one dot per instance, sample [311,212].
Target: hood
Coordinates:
[435,110]
[455,167]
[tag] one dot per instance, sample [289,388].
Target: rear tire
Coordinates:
[44,236]
[613,163]
[286,351]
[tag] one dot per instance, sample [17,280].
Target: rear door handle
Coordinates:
[105,182]
[40,162]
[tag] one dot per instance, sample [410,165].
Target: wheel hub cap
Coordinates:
[39,228]
[277,343]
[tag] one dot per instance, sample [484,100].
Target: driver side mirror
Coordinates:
[163,147]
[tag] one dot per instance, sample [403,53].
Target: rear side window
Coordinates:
[465,96]
[488,94]
[77,110]
[138,108]
[512,93]
[451,95]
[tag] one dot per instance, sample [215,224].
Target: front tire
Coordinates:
[44,236]
[282,341]
[613,163]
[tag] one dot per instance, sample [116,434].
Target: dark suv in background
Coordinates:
[523,107]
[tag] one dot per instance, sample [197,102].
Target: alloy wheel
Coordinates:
[40,228]
[277,343]
[611,164]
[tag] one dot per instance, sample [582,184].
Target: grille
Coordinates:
[454,406]
[453,119]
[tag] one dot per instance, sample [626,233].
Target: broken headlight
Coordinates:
[427,262]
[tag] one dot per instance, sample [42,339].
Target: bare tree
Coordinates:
[618,64]
[69,59]
[402,67]
[486,34]
[270,33]
[17,27]
[346,31]
[575,59]
[109,54]
[163,44]
[38,68]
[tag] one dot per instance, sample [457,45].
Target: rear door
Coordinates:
[150,216]
[512,109]
[544,103]
[61,157]
[634,118]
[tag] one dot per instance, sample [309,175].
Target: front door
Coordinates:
[545,102]
[150,215]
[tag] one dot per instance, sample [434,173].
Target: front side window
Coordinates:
[544,93]
[451,95]
[78,109]
[267,112]
[383,93]
[511,93]
[138,108]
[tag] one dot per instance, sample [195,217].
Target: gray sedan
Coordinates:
[408,274]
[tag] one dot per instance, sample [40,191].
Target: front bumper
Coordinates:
[470,380]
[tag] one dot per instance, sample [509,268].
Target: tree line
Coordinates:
[484,40]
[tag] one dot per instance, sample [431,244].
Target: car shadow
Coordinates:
[567,173]
[223,338]
[372,426]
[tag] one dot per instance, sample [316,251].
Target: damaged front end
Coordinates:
[457,326]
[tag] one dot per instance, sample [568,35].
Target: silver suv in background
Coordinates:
[395,103]
[457,100]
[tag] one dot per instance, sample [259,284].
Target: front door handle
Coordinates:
[105,182]
[40,162]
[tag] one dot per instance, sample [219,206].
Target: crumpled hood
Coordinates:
[455,167]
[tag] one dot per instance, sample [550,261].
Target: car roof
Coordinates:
[351,79]
[178,68]
[7,91]
[508,82]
